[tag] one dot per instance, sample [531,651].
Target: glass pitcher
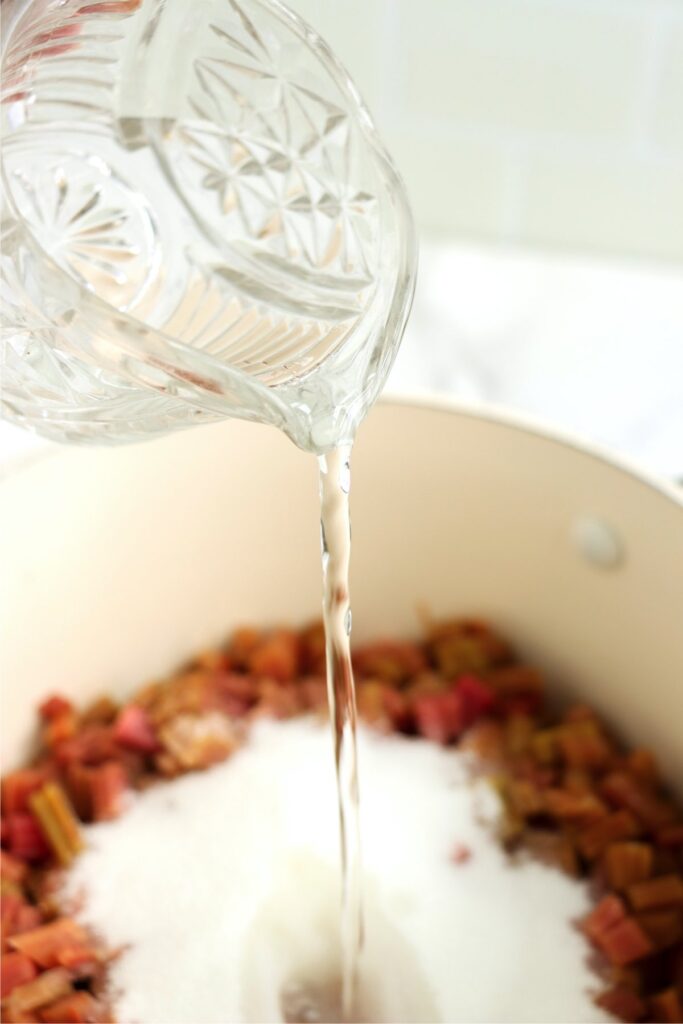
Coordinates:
[199,221]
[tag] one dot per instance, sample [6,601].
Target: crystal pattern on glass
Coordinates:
[199,220]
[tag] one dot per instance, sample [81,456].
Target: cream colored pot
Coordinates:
[118,563]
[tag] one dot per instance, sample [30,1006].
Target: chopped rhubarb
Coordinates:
[626,863]
[80,960]
[11,867]
[553,848]
[572,798]
[519,731]
[16,969]
[666,891]
[44,945]
[579,808]
[371,703]
[59,729]
[46,988]
[279,700]
[666,1007]
[107,786]
[508,704]
[77,1008]
[609,911]
[625,942]
[516,679]
[93,745]
[17,788]
[214,660]
[577,780]
[579,713]
[148,695]
[466,645]
[26,839]
[545,746]
[186,694]
[623,790]
[510,828]
[425,683]
[232,693]
[676,964]
[583,745]
[439,716]
[234,707]
[460,853]
[11,889]
[478,698]
[664,927]
[623,1003]
[54,706]
[627,977]
[526,798]
[276,657]
[643,764]
[389,660]
[134,729]
[243,643]
[102,711]
[666,861]
[10,904]
[613,827]
[26,919]
[17,915]
[78,783]
[194,742]
[44,885]
[397,708]
[313,655]
[486,740]
[53,810]
[670,835]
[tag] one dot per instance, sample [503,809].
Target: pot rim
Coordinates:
[426,400]
[537,426]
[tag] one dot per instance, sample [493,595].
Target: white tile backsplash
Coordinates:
[591,346]
[528,67]
[468,174]
[603,203]
[553,121]
[667,116]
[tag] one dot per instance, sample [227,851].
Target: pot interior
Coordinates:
[119,563]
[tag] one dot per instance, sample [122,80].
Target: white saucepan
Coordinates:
[118,563]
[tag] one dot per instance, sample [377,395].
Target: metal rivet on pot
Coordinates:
[598,542]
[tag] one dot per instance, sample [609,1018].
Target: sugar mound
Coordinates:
[224,887]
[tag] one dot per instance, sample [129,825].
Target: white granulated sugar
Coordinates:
[224,887]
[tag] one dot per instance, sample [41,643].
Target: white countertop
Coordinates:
[592,347]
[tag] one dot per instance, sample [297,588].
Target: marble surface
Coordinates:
[592,347]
